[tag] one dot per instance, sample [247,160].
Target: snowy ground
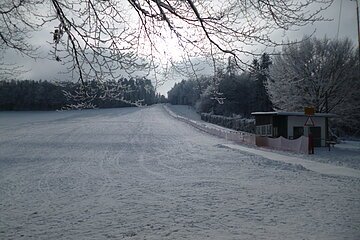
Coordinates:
[345,154]
[138,173]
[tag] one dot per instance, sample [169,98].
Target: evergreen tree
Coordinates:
[44,95]
[260,73]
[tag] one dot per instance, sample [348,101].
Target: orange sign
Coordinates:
[309,111]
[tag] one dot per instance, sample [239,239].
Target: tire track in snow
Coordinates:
[213,192]
[149,155]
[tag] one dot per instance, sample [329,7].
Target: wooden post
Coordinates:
[326,121]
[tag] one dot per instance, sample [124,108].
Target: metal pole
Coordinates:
[338,30]
[358,27]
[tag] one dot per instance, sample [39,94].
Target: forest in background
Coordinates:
[238,94]
[321,73]
[45,95]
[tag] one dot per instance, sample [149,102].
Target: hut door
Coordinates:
[316,132]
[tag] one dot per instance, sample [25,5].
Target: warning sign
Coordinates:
[309,111]
[309,122]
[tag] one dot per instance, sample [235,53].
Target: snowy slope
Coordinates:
[344,155]
[323,168]
[137,173]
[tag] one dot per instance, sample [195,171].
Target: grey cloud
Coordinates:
[49,69]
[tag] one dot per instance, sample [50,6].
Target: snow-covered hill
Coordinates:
[138,173]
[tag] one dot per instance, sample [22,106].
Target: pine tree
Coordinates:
[260,73]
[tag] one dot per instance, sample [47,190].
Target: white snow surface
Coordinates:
[345,156]
[137,173]
[322,168]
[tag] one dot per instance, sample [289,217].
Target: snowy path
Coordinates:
[323,161]
[137,173]
[322,168]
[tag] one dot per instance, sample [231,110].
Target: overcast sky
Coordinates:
[49,70]
[345,27]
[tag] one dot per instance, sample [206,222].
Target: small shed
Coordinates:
[292,125]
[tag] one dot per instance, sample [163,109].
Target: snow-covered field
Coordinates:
[138,173]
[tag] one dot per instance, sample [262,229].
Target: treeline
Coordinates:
[321,73]
[228,93]
[31,95]
[45,95]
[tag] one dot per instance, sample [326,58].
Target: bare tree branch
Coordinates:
[105,39]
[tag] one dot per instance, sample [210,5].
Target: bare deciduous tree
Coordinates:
[103,38]
[306,72]
[319,73]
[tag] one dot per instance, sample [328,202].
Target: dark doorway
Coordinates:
[316,133]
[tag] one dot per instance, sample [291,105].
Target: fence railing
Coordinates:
[229,134]
[299,145]
[238,124]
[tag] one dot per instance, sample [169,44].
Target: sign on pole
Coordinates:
[309,111]
[309,122]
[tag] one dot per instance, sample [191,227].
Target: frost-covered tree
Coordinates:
[305,73]
[259,71]
[100,39]
[322,73]
[97,37]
